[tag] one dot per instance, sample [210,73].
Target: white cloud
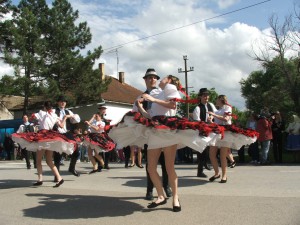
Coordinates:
[220,57]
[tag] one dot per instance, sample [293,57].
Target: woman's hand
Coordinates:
[148,98]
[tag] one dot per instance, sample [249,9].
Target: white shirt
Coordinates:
[168,93]
[63,130]
[196,112]
[226,109]
[100,124]
[46,119]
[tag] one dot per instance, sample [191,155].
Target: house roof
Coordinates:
[117,92]
[12,102]
[120,92]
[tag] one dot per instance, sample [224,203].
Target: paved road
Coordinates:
[253,195]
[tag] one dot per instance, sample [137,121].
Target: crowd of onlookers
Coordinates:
[275,135]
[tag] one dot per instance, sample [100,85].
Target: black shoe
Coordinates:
[74,172]
[59,183]
[168,191]
[177,208]
[132,165]
[149,196]
[126,165]
[201,175]
[154,204]
[140,166]
[223,181]
[29,167]
[93,171]
[106,167]
[233,164]
[55,180]
[38,183]
[214,178]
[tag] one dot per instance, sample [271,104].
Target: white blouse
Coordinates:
[226,109]
[170,91]
[46,120]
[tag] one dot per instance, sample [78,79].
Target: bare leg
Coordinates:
[132,155]
[50,163]
[152,159]
[39,157]
[213,159]
[223,156]
[91,157]
[100,158]
[170,155]
[139,155]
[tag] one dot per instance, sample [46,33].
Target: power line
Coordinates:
[214,17]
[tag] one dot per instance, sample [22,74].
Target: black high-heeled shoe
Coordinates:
[223,181]
[38,183]
[93,171]
[59,183]
[154,204]
[177,208]
[214,178]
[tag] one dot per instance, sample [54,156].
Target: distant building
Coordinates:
[118,99]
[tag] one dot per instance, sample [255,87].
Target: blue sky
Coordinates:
[218,49]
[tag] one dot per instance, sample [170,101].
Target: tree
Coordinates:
[285,38]
[66,66]
[5,7]
[28,44]
[46,52]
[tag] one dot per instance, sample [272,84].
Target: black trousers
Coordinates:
[277,148]
[26,155]
[73,157]
[165,177]
[202,159]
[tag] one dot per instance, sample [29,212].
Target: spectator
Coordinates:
[278,127]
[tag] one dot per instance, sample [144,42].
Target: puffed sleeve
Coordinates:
[171,92]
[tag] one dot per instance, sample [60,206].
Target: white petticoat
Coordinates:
[58,146]
[131,132]
[234,140]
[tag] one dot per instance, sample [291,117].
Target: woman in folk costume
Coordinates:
[45,141]
[234,137]
[97,141]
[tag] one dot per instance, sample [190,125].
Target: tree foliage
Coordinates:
[46,52]
[277,86]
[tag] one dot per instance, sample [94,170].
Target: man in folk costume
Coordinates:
[151,78]
[26,127]
[200,114]
[67,130]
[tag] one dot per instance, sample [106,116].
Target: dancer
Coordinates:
[97,141]
[200,114]
[68,131]
[45,141]
[162,141]
[234,137]
[25,128]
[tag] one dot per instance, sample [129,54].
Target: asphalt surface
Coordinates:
[253,195]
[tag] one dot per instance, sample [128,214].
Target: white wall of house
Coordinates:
[5,114]
[114,112]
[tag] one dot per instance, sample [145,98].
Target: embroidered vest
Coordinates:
[203,111]
[69,126]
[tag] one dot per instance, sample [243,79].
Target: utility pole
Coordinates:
[186,80]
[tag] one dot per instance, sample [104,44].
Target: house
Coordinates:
[118,99]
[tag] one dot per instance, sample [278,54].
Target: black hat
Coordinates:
[151,72]
[61,98]
[102,107]
[203,91]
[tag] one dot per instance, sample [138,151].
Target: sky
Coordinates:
[217,36]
